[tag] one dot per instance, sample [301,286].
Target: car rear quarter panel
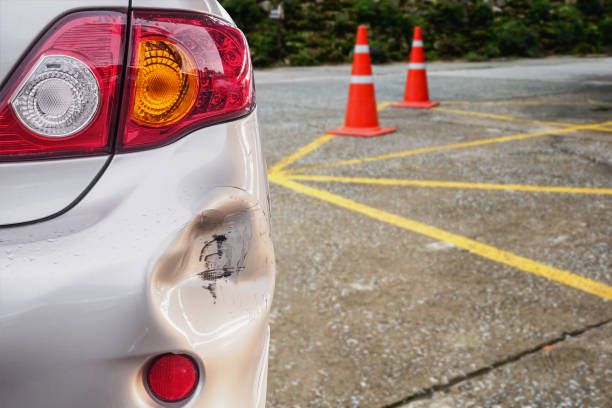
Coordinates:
[89,296]
[133,270]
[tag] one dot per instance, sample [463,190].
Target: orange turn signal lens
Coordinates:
[166,83]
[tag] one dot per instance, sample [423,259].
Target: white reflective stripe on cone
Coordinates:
[362,49]
[413,65]
[362,79]
[417,43]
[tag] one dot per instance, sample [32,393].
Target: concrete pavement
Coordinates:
[464,260]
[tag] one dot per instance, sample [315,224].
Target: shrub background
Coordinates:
[323,31]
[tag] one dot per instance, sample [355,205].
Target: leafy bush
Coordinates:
[568,28]
[263,46]
[515,38]
[605,30]
[323,31]
[539,11]
[475,56]
[590,7]
[246,12]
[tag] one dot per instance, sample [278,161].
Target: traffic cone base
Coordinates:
[416,105]
[362,132]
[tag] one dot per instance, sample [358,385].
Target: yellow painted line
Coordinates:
[480,142]
[450,184]
[595,102]
[528,103]
[383,105]
[503,117]
[475,247]
[514,119]
[287,161]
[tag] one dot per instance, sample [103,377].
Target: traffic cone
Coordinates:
[416,95]
[361,114]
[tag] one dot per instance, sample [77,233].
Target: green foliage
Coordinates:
[263,47]
[539,11]
[515,38]
[481,14]
[590,7]
[605,30]
[568,29]
[475,57]
[323,31]
[246,12]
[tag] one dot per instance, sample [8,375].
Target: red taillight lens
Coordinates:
[186,70]
[62,99]
[172,377]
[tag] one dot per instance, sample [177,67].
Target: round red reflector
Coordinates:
[172,377]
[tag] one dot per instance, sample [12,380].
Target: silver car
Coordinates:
[136,266]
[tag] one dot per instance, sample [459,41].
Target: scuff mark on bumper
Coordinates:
[228,247]
[224,255]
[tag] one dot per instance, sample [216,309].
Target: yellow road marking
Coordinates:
[445,147]
[450,184]
[383,105]
[478,248]
[594,102]
[603,129]
[514,119]
[504,117]
[287,161]
[548,103]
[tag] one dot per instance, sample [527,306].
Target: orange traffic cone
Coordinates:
[416,95]
[361,114]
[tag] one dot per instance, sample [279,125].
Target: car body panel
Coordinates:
[34,190]
[94,293]
[109,261]
[203,6]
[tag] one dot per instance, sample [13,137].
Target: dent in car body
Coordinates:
[227,250]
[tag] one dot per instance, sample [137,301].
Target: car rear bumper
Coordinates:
[138,268]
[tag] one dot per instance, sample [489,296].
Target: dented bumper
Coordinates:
[169,252]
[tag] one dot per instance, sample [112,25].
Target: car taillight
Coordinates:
[62,99]
[172,377]
[186,70]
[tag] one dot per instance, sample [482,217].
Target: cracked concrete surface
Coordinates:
[578,362]
[369,314]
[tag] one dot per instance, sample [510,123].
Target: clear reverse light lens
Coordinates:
[59,97]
